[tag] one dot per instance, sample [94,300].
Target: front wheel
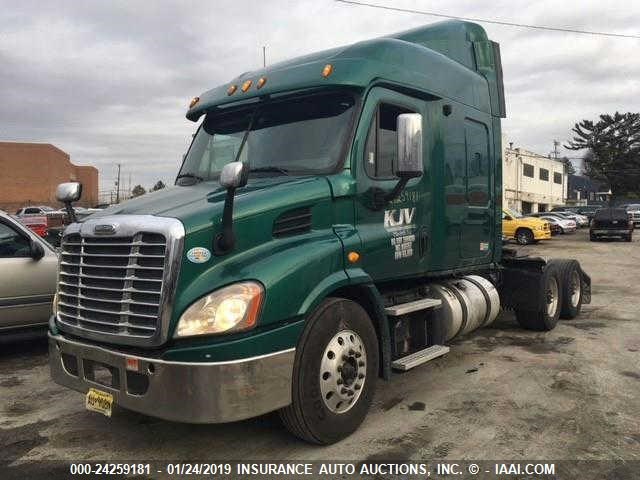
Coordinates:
[524,236]
[334,375]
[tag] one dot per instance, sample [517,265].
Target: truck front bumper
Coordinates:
[214,392]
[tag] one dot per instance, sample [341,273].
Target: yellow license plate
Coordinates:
[99,401]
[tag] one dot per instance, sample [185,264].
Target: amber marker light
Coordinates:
[261,82]
[246,85]
[232,89]
[194,101]
[327,70]
[353,257]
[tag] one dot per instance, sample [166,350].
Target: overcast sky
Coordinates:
[109,82]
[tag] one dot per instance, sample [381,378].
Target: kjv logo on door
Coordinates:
[400,224]
[398,218]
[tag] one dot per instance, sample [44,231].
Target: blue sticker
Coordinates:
[198,255]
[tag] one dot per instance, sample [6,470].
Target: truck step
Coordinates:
[404,308]
[420,357]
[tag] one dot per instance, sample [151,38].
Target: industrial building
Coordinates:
[30,173]
[532,182]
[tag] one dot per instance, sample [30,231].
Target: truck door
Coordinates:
[393,236]
[476,235]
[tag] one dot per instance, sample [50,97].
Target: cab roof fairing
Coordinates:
[385,59]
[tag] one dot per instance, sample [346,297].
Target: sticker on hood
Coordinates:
[198,255]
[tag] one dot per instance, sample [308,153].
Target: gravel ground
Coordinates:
[501,393]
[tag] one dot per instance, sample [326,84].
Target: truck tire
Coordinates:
[524,236]
[334,374]
[571,285]
[546,319]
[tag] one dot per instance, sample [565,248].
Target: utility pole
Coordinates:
[264,55]
[118,186]
[556,144]
[129,187]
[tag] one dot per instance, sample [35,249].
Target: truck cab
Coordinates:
[337,217]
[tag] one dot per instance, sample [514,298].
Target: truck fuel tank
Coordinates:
[468,303]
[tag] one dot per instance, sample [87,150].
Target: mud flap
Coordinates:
[586,286]
[521,283]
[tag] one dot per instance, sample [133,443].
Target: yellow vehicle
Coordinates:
[524,230]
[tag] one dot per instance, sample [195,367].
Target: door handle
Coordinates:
[423,239]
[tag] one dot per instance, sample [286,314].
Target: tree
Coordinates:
[613,150]
[158,186]
[137,191]
[568,166]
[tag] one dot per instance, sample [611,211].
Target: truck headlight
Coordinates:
[231,309]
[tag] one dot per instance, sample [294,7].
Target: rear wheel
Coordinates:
[547,318]
[524,236]
[334,375]
[629,238]
[593,238]
[571,285]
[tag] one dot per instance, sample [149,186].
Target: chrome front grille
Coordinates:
[119,288]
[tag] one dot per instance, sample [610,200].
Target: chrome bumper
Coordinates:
[215,392]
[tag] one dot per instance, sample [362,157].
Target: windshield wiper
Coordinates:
[281,170]
[192,176]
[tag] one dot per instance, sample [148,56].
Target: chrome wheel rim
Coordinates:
[343,371]
[552,297]
[575,288]
[523,238]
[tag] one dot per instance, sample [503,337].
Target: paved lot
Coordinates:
[502,392]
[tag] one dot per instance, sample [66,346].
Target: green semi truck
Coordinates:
[336,218]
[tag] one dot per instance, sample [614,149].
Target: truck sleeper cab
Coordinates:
[337,217]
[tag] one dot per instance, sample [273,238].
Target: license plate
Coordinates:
[99,401]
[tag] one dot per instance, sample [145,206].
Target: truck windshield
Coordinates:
[301,136]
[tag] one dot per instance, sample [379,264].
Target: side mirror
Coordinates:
[234,175]
[409,163]
[507,217]
[37,252]
[69,192]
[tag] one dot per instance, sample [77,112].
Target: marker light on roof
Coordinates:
[261,82]
[327,70]
[194,101]
[246,85]
[232,89]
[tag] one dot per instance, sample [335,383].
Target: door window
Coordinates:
[380,150]
[12,243]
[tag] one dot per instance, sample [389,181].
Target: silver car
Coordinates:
[28,269]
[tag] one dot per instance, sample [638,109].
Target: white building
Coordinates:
[531,182]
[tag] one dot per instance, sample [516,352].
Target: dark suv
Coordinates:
[611,222]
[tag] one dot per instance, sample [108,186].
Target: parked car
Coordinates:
[565,225]
[28,267]
[580,220]
[611,223]
[555,228]
[39,210]
[588,211]
[524,230]
[37,224]
[633,210]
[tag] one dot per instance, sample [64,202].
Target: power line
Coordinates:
[484,20]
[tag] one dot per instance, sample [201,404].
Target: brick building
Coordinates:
[30,173]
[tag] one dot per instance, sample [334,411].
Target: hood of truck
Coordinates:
[200,205]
